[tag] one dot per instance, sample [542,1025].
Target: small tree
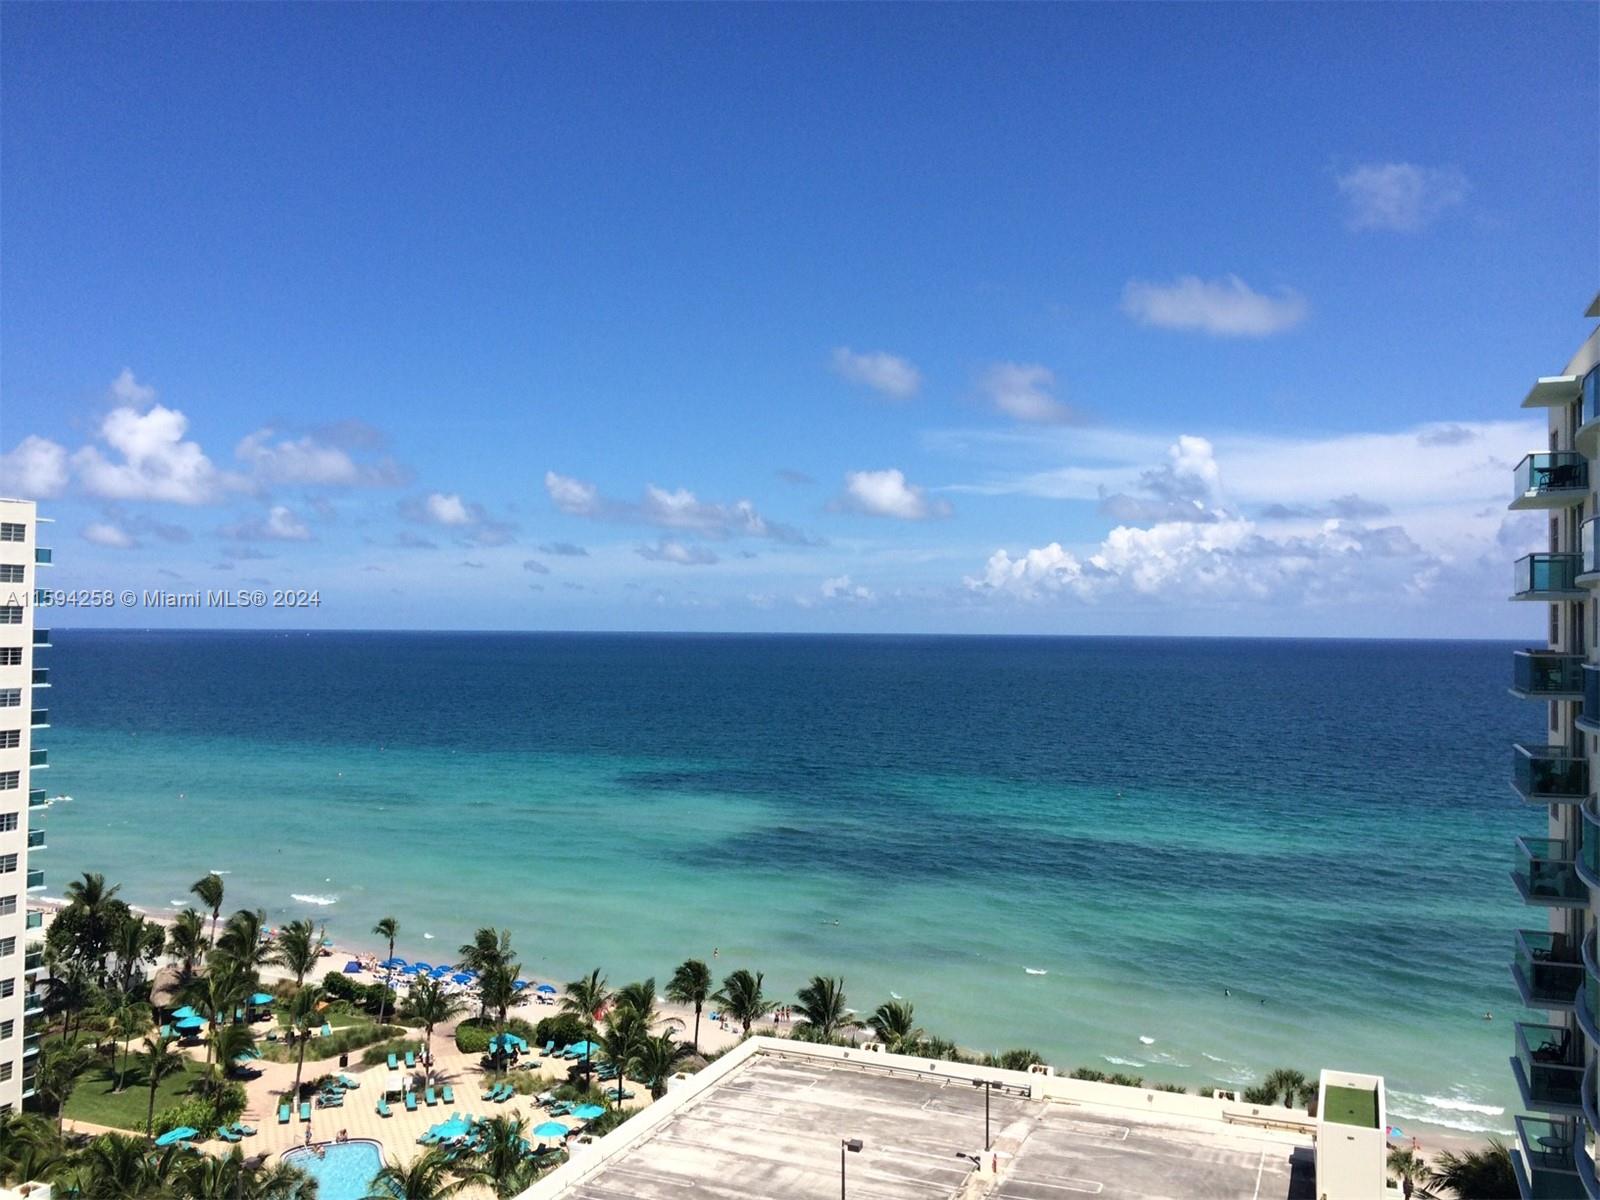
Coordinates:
[209,891]
[691,984]
[387,928]
[159,1059]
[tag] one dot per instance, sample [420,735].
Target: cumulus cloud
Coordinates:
[309,460]
[1399,197]
[1225,307]
[563,550]
[887,493]
[1183,489]
[150,459]
[279,525]
[842,587]
[129,391]
[673,551]
[103,533]
[534,565]
[674,509]
[1023,391]
[35,470]
[471,523]
[887,374]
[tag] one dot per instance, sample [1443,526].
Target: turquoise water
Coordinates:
[1321,829]
[344,1171]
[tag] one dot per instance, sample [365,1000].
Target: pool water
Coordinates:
[344,1172]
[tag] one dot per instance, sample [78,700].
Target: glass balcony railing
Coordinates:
[1550,479]
[1549,1067]
[36,797]
[1547,968]
[33,961]
[32,1002]
[1546,675]
[35,920]
[40,718]
[1549,774]
[1541,575]
[1588,548]
[1589,846]
[1549,1161]
[38,758]
[35,880]
[1545,872]
[35,839]
[1590,390]
[41,637]
[41,677]
[41,555]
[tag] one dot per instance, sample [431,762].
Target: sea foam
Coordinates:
[308,898]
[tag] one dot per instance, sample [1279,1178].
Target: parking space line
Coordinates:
[1259,1169]
[1087,1187]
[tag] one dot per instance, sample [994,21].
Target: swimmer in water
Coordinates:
[1226,992]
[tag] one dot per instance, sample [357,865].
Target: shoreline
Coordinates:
[714,1038]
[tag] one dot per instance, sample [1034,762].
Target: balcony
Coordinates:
[35,880]
[1549,1069]
[1554,479]
[39,758]
[1589,552]
[41,677]
[1552,391]
[1548,774]
[1589,845]
[1548,675]
[1545,872]
[41,638]
[1587,439]
[30,1045]
[1547,969]
[35,839]
[42,556]
[34,920]
[32,1002]
[1546,576]
[36,798]
[1547,1168]
[33,960]
[40,718]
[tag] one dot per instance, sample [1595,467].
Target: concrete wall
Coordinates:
[1352,1162]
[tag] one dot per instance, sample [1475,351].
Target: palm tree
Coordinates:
[640,997]
[186,940]
[895,1025]
[821,1007]
[30,1148]
[1476,1174]
[621,1040]
[117,1166]
[128,943]
[585,998]
[1285,1083]
[231,1042]
[159,1060]
[430,1004]
[241,940]
[741,995]
[61,1064]
[497,991]
[1408,1166]
[303,1018]
[426,1177]
[501,1158]
[92,898]
[656,1060]
[128,1019]
[389,929]
[297,950]
[217,993]
[69,990]
[489,950]
[691,984]
[209,891]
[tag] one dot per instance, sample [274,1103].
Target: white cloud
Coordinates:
[573,496]
[446,510]
[678,509]
[35,470]
[842,587]
[1022,391]
[103,533]
[1400,197]
[279,525]
[887,494]
[1225,307]
[129,391]
[887,374]
[673,551]
[308,460]
[156,462]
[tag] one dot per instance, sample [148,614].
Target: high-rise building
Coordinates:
[1557,968]
[22,715]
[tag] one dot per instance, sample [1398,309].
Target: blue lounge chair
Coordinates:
[411,1102]
[283,1113]
[447,1095]
[327,1029]
[411,1060]
[549,1048]
[348,1082]
[394,1063]
[227,1134]
[383,1107]
[430,1097]
[305,1110]
[243,1130]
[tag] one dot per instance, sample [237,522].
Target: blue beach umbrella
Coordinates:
[181,1134]
[190,1023]
[352,967]
[551,1129]
[460,977]
[519,984]
[419,965]
[588,1112]
[261,998]
[547,989]
[184,1013]
[579,1049]
[393,962]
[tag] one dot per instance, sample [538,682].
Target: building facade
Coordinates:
[23,716]
[1557,967]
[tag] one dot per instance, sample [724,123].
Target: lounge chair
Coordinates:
[430,1097]
[491,1093]
[283,1113]
[411,1102]
[394,1063]
[305,1110]
[244,1130]
[549,1048]
[383,1107]
[326,1030]
[506,1093]
[411,1060]
[448,1096]
[348,1082]
[228,1135]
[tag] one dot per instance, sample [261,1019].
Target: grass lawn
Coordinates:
[1352,1106]
[93,1099]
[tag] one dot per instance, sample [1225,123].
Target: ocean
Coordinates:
[1193,860]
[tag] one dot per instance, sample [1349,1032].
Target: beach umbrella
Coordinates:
[393,962]
[190,1023]
[519,984]
[588,1112]
[181,1134]
[352,967]
[547,989]
[581,1048]
[184,1013]
[261,998]
[422,966]
[551,1129]
[458,977]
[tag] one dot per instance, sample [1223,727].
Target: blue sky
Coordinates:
[1103,319]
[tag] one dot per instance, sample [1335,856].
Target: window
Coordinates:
[11,572]
[11,614]
[8,945]
[10,697]
[8,905]
[8,863]
[8,822]
[8,987]
[13,531]
[5,1067]
[10,739]
[10,656]
[8,1029]
[9,780]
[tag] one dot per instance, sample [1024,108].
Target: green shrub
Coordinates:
[1172,1087]
[1013,1060]
[1090,1074]
[197,1112]
[564,1028]
[1208,1093]
[343,1041]
[472,1038]
[1122,1080]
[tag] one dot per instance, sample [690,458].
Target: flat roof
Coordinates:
[772,1127]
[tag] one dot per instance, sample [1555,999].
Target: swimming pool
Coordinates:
[344,1172]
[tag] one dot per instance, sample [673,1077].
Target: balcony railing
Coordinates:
[35,880]
[35,839]
[41,637]
[1548,774]
[38,758]
[1549,1157]
[1545,872]
[41,677]
[41,555]
[40,718]
[1549,1067]
[33,961]
[1550,479]
[35,920]
[1589,845]
[1548,576]
[1588,550]
[1547,968]
[32,1002]
[36,797]
[1546,675]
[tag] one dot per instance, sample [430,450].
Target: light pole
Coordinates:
[988,1086]
[853,1146]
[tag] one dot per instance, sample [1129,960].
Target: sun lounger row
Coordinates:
[236,1132]
[500,1093]
[411,1060]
